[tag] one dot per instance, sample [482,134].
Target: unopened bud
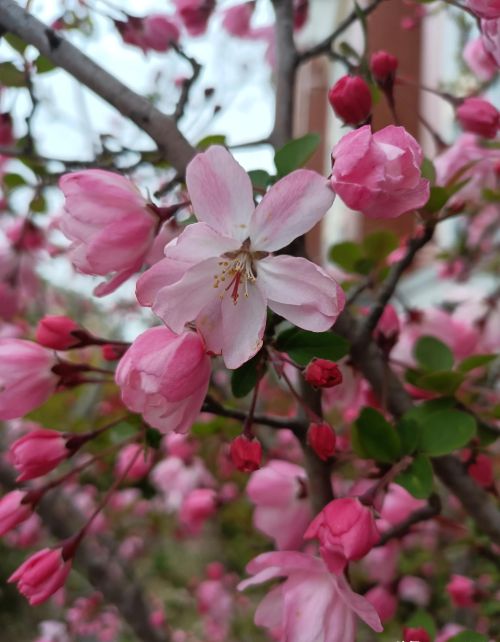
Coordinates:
[383,67]
[321,437]
[322,373]
[56,332]
[246,454]
[351,100]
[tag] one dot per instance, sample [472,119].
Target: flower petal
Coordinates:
[243,324]
[161,274]
[220,192]
[359,604]
[198,242]
[289,209]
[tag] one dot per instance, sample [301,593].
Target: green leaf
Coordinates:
[439,196]
[213,139]
[428,170]
[422,619]
[444,431]
[418,477]
[260,178]
[408,432]
[38,204]
[380,244]
[444,382]
[296,153]
[11,181]
[346,254]
[153,438]
[433,354]
[11,76]
[302,345]
[244,379]
[468,636]
[44,65]
[476,361]
[15,42]
[491,195]
[374,438]
[348,51]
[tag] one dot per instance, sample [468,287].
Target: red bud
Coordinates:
[55,332]
[322,373]
[383,67]
[246,454]
[351,100]
[321,438]
[416,635]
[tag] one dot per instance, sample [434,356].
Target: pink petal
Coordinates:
[198,242]
[359,605]
[165,272]
[290,208]
[243,323]
[220,192]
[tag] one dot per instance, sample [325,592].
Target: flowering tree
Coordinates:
[308,422]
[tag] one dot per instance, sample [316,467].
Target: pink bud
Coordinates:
[134,461]
[197,507]
[479,60]
[461,590]
[384,601]
[321,438]
[351,100]
[13,511]
[479,116]
[42,575]
[322,373]
[38,452]
[55,332]
[346,531]
[383,67]
[481,470]
[386,332]
[246,454]
[416,635]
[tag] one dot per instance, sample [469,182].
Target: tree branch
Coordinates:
[97,560]
[162,129]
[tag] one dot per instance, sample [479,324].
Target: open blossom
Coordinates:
[42,575]
[26,377]
[379,174]
[13,511]
[479,117]
[485,8]
[479,60]
[221,273]
[282,507]
[110,225]
[311,605]
[490,34]
[346,530]
[164,377]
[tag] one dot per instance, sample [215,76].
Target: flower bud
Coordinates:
[197,507]
[351,100]
[383,67]
[461,590]
[56,332]
[133,464]
[321,438]
[481,470]
[322,373]
[416,635]
[6,132]
[13,511]
[246,454]
[38,452]
[42,575]
[479,116]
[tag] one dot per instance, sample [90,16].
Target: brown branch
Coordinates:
[325,46]
[286,55]
[97,560]
[162,129]
[432,509]
[187,84]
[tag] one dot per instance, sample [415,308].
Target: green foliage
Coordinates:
[212,139]
[424,620]
[15,42]
[302,345]
[439,196]
[374,438]
[468,636]
[11,76]
[378,245]
[245,378]
[44,65]
[476,361]
[260,179]
[428,170]
[418,477]
[433,354]
[296,153]
[153,438]
[444,382]
[362,258]
[13,181]
[444,431]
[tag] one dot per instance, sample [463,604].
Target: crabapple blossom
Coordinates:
[321,438]
[398,504]
[13,511]
[134,461]
[379,174]
[351,99]
[490,34]
[175,479]
[383,66]
[479,60]
[164,377]
[323,373]
[414,589]
[38,452]
[237,19]
[485,8]
[56,332]
[246,454]
[479,116]
[346,531]
[26,377]
[42,575]
[384,601]
[416,634]
[482,471]
[110,225]
[282,508]
[195,14]
[197,507]
[311,605]
[155,31]
[461,590]
[221,272]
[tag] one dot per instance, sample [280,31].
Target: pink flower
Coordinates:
[399,504]
[221,273]
[346,530]
[479,60]
[351,99]
[134,458]
[42,575]
[26,377]
[416,635]
[321,437]
[237,19]
[490,34]
[384,601]
[156,32]
[165,377]
[322,373]
[175,480]
[282,507]
[449,631]
[485,8]
[38,452]
[195,14]
[311,604]
[479,116]
[379,174]
[414,589]
[246,454]
[197,507]
[56,332]
[13,511]
[461,590]
[110,224]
